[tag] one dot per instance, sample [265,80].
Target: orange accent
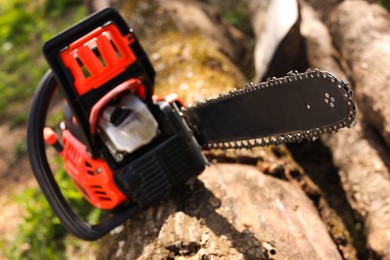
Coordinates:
[50,136]
[134,84]
[74,120]
[98,57]
[93,177]
[171,98]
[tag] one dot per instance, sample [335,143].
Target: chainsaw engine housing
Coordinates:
[123,147]
[170,158]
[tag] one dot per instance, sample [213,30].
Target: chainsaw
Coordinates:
[125,148]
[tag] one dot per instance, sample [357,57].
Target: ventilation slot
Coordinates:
[102,195]
[118,54]
[89,168]
[104,198]
[84,70]
[98,55]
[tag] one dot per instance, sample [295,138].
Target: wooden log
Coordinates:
[232,211]
[319,47]
[96,5]
[188,60]
[323,8]
[202,17]
[361,32]
[358,152]
[365,179]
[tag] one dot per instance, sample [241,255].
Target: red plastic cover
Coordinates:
[93,177]
[98,57]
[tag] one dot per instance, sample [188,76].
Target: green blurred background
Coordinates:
[24,26]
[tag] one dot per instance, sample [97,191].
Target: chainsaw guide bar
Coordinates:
[288,109]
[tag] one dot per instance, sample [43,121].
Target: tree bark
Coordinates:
[361,32]
[232,212]
[365,178]
[358,152]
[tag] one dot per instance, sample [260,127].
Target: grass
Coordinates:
[24,27]
[385,4]
[236,14]
[41,234]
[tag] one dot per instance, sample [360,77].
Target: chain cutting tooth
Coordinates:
[345,82]
[258,142]
[252,142]
[233,91]
[291,73]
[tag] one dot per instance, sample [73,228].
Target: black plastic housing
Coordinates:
[170,163]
